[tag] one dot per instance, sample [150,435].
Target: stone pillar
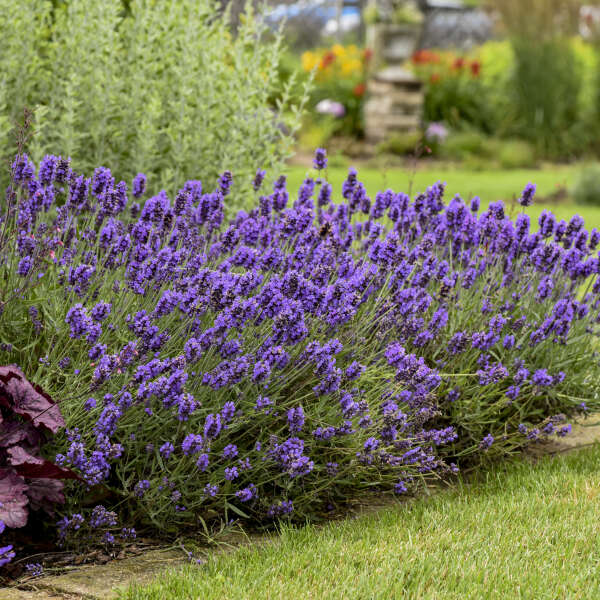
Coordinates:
[394,95]
[394,104]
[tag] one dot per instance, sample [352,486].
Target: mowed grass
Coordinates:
[488,185]
[523,531]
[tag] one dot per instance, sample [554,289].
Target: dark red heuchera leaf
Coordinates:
[20,396]
[28,416]
[45,494]
[13,501]
[13,432]
[28,465]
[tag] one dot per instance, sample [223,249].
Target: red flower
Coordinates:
[368,54]
[359,90]
[327,59]
[459,63]
[475,68]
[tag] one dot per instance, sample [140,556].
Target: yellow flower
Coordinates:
[338,50]
[351,66]
[309,61]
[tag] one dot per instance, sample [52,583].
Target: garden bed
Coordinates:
[182,364]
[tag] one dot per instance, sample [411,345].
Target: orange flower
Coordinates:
[359,90]
[425,56]
[435,77]
[475,68]
[368,54]
[417,57]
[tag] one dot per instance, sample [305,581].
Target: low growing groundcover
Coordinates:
[204,363]
[520,531]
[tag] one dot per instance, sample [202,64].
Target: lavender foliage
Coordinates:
[279,359]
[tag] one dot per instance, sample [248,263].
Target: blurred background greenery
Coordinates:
[527,97]
[186,88]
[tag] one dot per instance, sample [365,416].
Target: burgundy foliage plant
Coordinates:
[28,417]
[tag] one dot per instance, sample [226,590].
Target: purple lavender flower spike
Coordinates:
[526,198]
[320,159]
[139,185]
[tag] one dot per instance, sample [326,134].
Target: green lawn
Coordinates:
[488,185]
[522,532]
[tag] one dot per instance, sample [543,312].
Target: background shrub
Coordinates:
[465,144]
[401,145]
[340,74]
[316,132]
[587,188]
[163,86]
[546,83]
[516,154]
[454,90]
[480,151]
[515,94]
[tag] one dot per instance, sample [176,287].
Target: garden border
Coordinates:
[88,582]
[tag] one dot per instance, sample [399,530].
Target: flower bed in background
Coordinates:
[498,89]
[455,93]
[272,363]
[340,77]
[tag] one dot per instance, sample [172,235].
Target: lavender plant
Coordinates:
[276,362]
